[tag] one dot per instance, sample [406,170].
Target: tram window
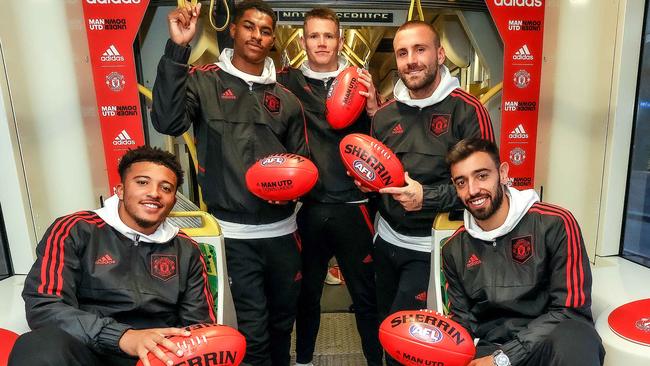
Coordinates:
[636,232]
[5,263]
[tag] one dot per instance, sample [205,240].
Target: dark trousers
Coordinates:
[52,346]
[402,280]
[344,231]
[265,280]
[571,343]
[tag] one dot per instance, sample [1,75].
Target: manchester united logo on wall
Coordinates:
[439,124]
[163,266]
[522,249]
[271,103]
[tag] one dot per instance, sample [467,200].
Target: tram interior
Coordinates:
[474,55]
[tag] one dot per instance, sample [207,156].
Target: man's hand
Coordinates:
[372,105]
[140,342]
[182,23]
[483,361]
[410,196]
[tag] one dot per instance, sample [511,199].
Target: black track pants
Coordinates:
[344,231]
[265,280]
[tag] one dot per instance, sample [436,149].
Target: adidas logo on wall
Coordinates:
[112,55]
[123,139]
[518,133]
[523,54]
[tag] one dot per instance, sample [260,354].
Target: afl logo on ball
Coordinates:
[425,333]
[364,170]
[272,161]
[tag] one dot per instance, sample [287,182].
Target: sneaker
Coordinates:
[334,276]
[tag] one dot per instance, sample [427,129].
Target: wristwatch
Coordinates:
[500,359]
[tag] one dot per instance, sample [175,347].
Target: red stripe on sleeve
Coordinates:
[46,254]
[91,219]
[458,231]
[575,271]
[483,117]
[53,257]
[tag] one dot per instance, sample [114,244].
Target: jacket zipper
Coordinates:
[494,271]
[134,280]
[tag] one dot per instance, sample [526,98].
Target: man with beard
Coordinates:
[430,114]
[517,272]
[239,115]
[109,285]
[334,219]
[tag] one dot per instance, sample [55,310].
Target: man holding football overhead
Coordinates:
[518,275]
[334,219]
[240,114]
[429,114]
[108,284]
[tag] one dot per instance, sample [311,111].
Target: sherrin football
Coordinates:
[370,162]
[208,344]
[281,177]
[424,337]
[344,104]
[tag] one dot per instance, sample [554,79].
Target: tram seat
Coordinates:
[208,235]
[619,350]
[443,228]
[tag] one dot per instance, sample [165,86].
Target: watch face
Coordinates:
[501,360]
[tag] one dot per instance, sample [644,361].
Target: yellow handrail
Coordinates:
[415,3]
[181,3]
[491,93]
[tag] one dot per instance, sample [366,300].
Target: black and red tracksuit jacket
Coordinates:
[95,283]
[420,138]
[513,291]
[334,185]
[234,125]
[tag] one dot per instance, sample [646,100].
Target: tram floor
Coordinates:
[338,342]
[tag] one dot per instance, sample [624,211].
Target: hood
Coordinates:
[268,73]
[164,233]
[447,84]
[520,202]
[323,76]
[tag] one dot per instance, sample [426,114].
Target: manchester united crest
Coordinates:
[521,79]
[522,249]
[115,81]
[163,267]
[517,156]
[271,103]
[439,124]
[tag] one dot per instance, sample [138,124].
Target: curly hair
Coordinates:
[154,155]
[258,5]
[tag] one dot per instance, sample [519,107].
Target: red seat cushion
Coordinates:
[7,340]
[632,321]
